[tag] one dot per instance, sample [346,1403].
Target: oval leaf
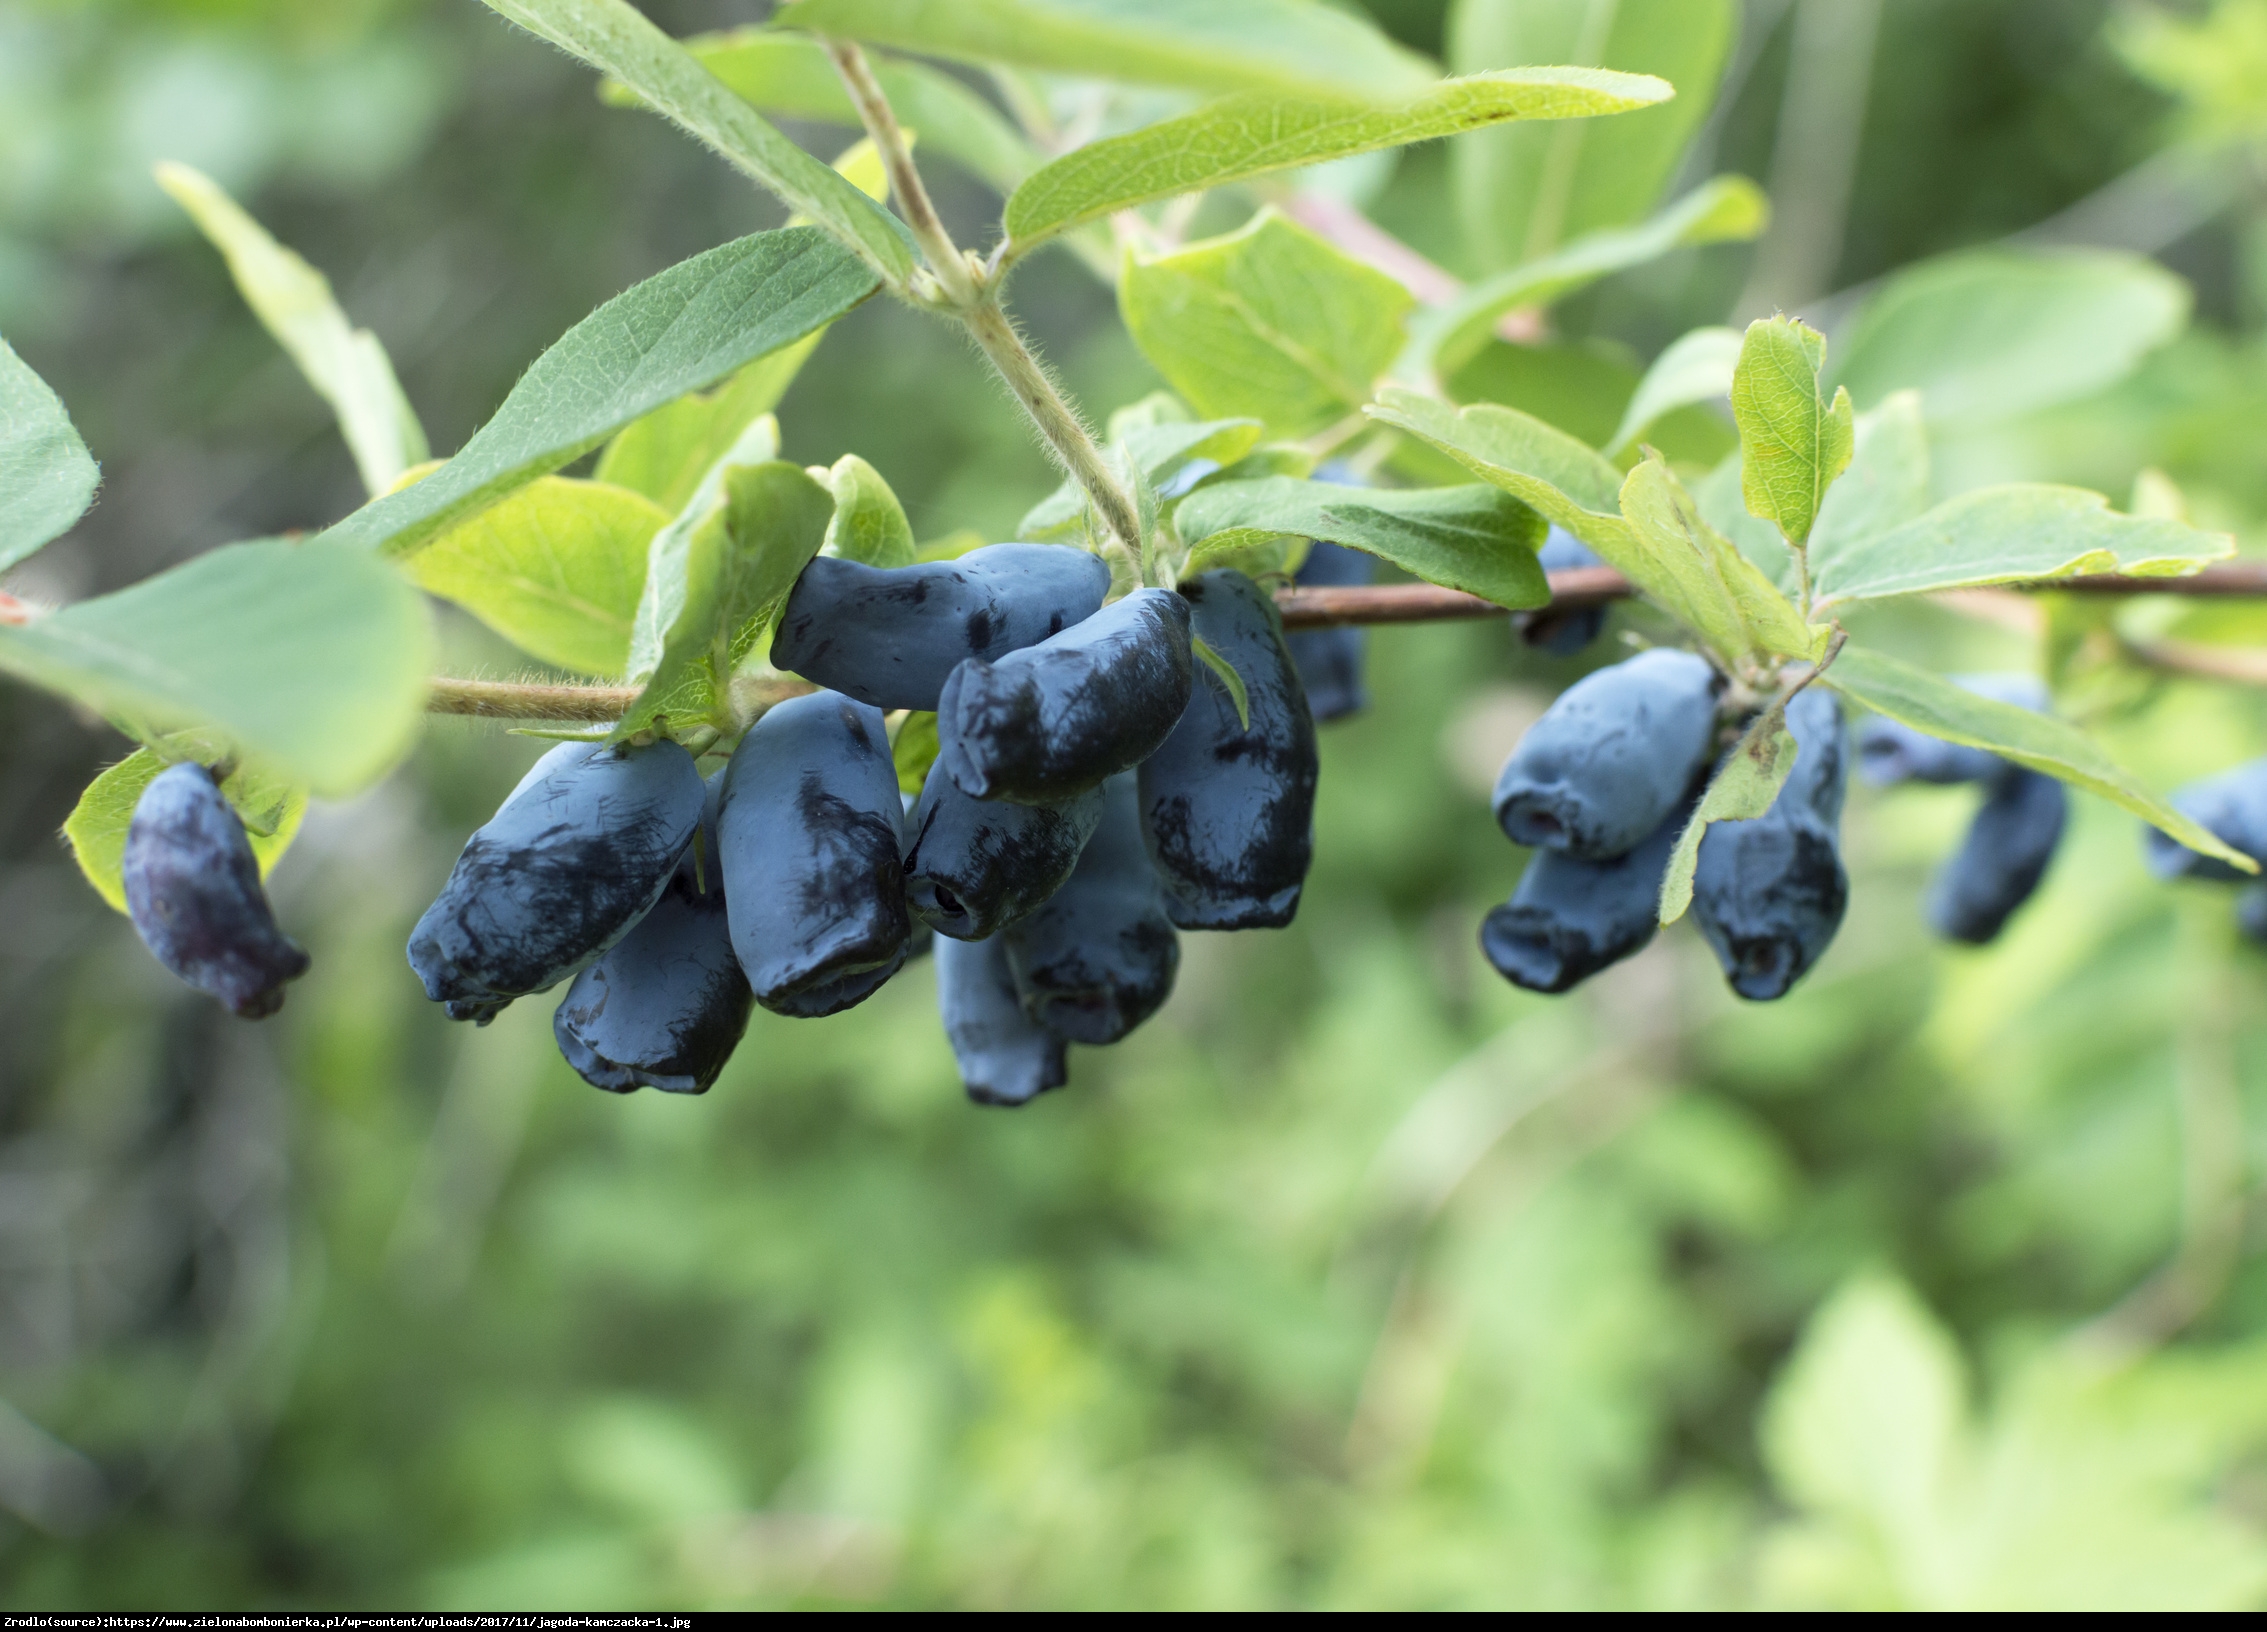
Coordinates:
[47,478]
[1254,135]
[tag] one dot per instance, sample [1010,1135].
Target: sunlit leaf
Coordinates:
[96,828]
[1695,368]
[869,524]
[47,478]
[1794,440]
[1256,134]
[665,454]
[682,330]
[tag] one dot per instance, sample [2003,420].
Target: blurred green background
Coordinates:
[1357,1278]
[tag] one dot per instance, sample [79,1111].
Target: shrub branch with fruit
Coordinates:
[796,746]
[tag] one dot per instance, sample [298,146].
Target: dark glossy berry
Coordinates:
[1099,959]
[2232,807]
[193,891]
[1004,1057]
[975,866]
[666,1007]
[1055,719]
[575,857]
[1769,893]
[1890,751]
[1562,634]
[1570,918]
[1330,661]
[890,635]
[809,835]
[2003,858]
[1612,757]
[1229,810]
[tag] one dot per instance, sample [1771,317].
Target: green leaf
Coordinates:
[96,827]
[1743,788]
[1522,193]
[2039,741]
[1157,450]
[614,37]
[308,658]
[2020,533]
[347,366]
[715,580]
[1257,134]
[1270,322]
[1989,334]
[869,524]
[1695,368]
[914,749]
[791,75]
[556,569]
[1272,45]
[1470,538]
[1726,209]
[1794,442]
[47,478]
[1701,578]
[1885,486]
[665,454]
[1229,679]
[680,331]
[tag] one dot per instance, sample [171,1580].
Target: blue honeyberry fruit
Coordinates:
[2003,858]
[668,1004]
[1330,661]
[1562,634]
[1228,810]
[1769,894]
[975,866]
[1612,757]
[808,837]
[1004,1057]
[193,892]
[1099,959]
[568,864]
[1570,918]
[2232,807]
[890,636]
[1050,721]
[1891,752]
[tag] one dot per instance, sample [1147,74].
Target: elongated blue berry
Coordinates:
[1570,918]
[2003,858]
[2232,807]
[890,636]
[1330,661]
[1005,1057]
[1612,757]
[575,857]
[975,866]
[193,892]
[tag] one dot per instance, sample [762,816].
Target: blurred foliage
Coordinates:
[1357,1278]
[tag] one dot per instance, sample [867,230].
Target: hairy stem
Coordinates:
[973,297]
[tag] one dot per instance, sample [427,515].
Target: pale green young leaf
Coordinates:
[1157,449]
[347,366]
[1701,578]
[1256,134]
[1269,321]
[1446,337]
[616,38]
[1794,441]
[1695,368]
[868,524]
[791,75]
[47,478]
[717,577]
[310,658]
[1230,680]
[682,330]
[556,569]
[1272,45]
[665,454]
[2021,533]
[1886,486]
[2040,741]
[1742,789]
[1723,506]
[96,828]
[1471,538]
[1989,334]
[1524,191]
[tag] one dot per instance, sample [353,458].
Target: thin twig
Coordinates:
[905,182]
[595,705]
